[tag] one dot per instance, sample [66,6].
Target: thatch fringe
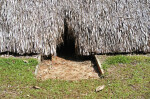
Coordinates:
[97,26]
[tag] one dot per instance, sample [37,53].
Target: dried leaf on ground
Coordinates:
[100,88]
[36,87]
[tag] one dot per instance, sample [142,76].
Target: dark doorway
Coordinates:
[67,48]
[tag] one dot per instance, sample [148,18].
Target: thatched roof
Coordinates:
[96,26]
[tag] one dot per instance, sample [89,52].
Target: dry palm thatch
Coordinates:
[96,26]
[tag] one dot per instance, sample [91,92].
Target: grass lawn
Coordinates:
[126,77]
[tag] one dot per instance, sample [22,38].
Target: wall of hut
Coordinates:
[97,26]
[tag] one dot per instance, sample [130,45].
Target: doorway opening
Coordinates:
[67,48]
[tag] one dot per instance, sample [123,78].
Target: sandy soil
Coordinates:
[64,69]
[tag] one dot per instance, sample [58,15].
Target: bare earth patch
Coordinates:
[63,69]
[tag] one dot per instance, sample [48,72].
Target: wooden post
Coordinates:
[39,58]
[99,65]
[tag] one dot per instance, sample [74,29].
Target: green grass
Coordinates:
[126,77]
[122,59]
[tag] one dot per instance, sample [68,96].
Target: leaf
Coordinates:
[25,61]
[100,88]
[36,87]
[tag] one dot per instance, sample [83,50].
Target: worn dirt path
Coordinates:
[63,69]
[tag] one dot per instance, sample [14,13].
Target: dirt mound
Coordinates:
[60,68]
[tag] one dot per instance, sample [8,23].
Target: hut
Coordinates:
[83,26]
